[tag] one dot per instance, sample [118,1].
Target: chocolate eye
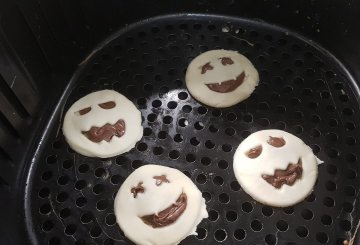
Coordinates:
[254,152]
[107,105]
[226,61]
[206,67]
[276,142]
[84,111]
[161,179]
[137,189]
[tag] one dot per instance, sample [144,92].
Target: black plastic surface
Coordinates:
[303,90]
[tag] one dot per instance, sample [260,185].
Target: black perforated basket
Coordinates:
[50,56]
[303,89]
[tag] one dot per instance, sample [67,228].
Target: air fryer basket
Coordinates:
[303,89]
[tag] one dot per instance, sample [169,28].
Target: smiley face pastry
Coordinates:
[102,124]
[158,205]
[221,78]
[275,168]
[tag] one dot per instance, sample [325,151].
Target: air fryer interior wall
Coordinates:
[43,42]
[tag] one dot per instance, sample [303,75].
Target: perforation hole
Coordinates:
[186,109]
[67,164]
[115,179]
[162,135]
[100,172]
[51,159]
[230,131]
[231,117]
[194,141]
[224,198]
[183,122]
[288,210]
[158,150]
[348,207]
[226,147]
[45,208]
[201,179]
[151,117]
[65,213]
[98,189]
[235,186]
[167,119]
[267,211]
[80,184]
[44,192]
[46,176]
[206,196]
[326,220]
[201,233]
[47,226]
[307,214]
[202,110]
[110,219]
[247,207]
[86,218]
[220,235]
[256,225]
[322,237]
[190,158]
[174,154]
[329,202]
[178,138]
[213,215]
[102,205]
[270,239]
[83,168]
[302,231]
[199,125]
[205,161]
[231,216]
[80,202]
[218,180]
[282,225]
[62,197]
[239,234]
[70,229]
[213,129]
[183,95]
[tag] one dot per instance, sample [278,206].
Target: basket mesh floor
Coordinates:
[302,90]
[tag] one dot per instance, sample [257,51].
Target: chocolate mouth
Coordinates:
[168,215]
[288,176]
[227,86]
[106,132]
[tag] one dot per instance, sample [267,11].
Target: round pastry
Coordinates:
[275,168]
[102,124]
[221,78]
[158,205]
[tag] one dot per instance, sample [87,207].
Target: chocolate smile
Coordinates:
[168,215]
[227,86]
[285,177]
[106,132]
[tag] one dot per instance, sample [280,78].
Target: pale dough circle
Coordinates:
[196,81]
[74,124]
[249,171]
[154,199]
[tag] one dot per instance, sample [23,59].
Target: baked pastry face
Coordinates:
[275,168]
[102,124]
[158,205]
[221,78]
